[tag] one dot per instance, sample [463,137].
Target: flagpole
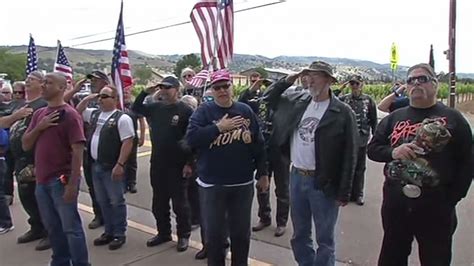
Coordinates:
[452,53]
[57,54]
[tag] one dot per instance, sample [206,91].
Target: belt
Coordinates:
[305,172]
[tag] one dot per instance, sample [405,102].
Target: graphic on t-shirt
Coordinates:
[429,136]
[306,129]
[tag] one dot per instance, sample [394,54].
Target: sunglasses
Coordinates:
[105,96]
[6,92]
[165,87]
[188,76]
[353,82]
[18,92]
[224,86]
[421,79]
[207,99]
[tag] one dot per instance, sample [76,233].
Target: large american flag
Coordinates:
[213,21]
[32,57]
[121,74]
[61,64]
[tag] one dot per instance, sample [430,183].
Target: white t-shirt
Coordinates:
[124,125]
[302,142]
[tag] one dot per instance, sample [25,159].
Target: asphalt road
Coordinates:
[359,230]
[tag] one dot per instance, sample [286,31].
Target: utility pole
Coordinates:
[451,53]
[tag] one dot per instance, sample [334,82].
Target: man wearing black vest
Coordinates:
[109,146]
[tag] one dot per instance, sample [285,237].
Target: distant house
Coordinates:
[274,74]
[157,76]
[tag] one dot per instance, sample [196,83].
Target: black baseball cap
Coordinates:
[170,81]
[99,75]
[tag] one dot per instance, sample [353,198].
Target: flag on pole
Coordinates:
[61,64]
[32,57]
[394,57]
[199,79]
[213,21]
[121,73]
[432,61]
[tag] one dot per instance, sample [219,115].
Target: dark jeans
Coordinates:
[26,192]
[5,217]
[168,184]
[279,164]
[429,219]
[64,225]
[87,166]
[359,174]
[193,197]
[227,208]
[9,173]
[111,200]
[131,165]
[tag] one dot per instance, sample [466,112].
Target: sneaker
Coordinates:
[6,229]
[29,236]
[95,223]
[103,239]
[260,226]
[43,244]
[157,240]
[132,188]
[117,243]
[9,199]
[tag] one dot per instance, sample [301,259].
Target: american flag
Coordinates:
[62,64]
[32,57]
[213,21]
[199,79]
[121,74]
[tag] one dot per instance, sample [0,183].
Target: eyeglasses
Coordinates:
[353,82]
[6,92]
[421,79]
[18,92]
[224,86]
[105,96]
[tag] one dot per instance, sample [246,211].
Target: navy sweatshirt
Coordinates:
[226,158]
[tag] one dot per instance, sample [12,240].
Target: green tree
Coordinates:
[13,65]
[190,60]
[143,74]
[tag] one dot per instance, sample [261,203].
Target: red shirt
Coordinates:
[53,151]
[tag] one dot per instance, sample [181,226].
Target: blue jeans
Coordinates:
[309,202]
[5,217]
[109,195]
[227,208]
[64,225]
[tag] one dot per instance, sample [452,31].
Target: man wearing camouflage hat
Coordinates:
[320,134]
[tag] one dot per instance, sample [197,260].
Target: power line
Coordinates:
[174,25]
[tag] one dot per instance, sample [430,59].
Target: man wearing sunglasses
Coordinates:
[109,146]
[425,211]
[366,116]
[168,120]
[230,146]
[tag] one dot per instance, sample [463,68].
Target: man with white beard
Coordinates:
[320,134]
